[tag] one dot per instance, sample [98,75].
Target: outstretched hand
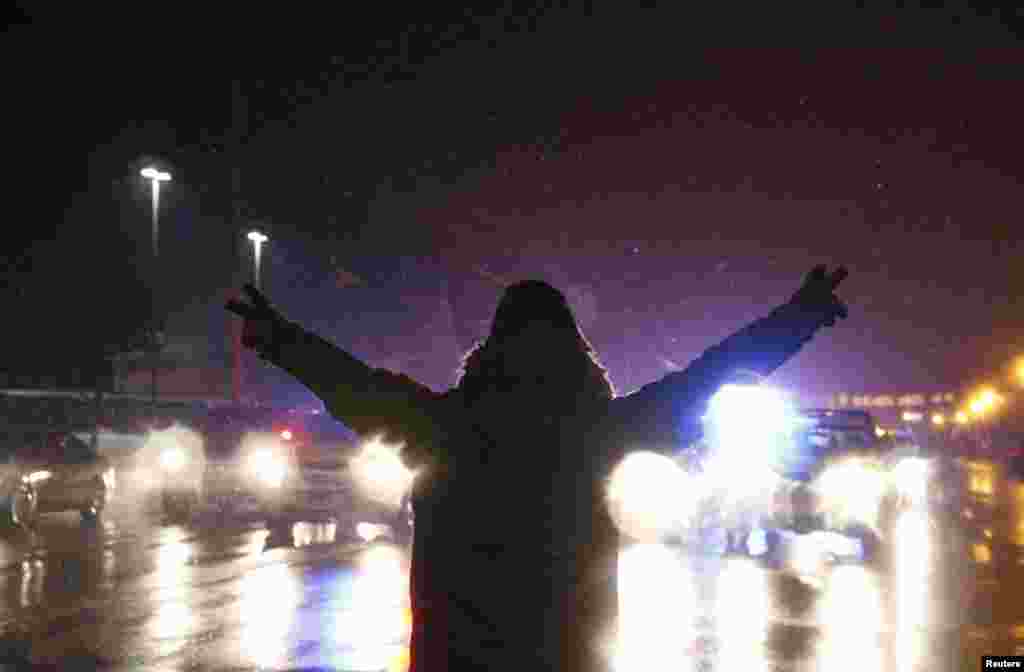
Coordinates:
[261,318]
[817,295]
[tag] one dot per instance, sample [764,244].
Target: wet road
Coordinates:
[136,593]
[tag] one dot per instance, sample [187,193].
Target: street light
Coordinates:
[257,239]
[155,177]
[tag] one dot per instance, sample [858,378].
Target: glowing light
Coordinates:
[38,476]
[742,611]
[269,598]
[286,434]
[851,613]
[910,478]
[257,237]
[912,416]
[985,401]
[376,626]
[151,173]
[269,468]
[745,425]
[961,418]
[853,489]
[649,495]
[938,419]
[172,459]
[656,610]
[380,473]
[879,432]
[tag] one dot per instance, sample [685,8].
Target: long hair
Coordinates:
[579,368]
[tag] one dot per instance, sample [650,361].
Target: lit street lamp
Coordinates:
[257,239]
[155,177]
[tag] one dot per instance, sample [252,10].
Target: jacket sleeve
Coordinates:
[369,401]
[667,413]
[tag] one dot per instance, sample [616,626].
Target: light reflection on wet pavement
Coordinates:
[135,593]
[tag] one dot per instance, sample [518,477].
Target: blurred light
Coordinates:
[982,553]
[370,531]
[110,478]
[746,423]
[286,435]
[938,419]
[38,476]
[307,534]
[912,416]
[257,237]
[172,459]
[377,621]
[657,605]
[961,418]
[742,410]
[741,612]
[269,468]
[980,480]
[379,471]
[853,489]
[910,478]
[151,173]
[268,600]
[879,432]
[649,495]
[1019,370]
[851,614]
[985,401]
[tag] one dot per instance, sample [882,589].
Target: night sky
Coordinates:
[675,191]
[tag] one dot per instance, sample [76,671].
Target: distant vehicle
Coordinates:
[52,472]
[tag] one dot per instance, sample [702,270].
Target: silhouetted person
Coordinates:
[515,554]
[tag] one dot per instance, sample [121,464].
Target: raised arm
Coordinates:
[369,401]
[668,412]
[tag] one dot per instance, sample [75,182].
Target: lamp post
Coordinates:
[155,177]
[257,239]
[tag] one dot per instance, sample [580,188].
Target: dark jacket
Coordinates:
[515,554]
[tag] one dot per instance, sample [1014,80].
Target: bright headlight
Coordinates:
[649,494]
[380,472]
[853,487]
[172,459]
[267,467]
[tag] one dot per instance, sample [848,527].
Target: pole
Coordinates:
[156,297]
[257,251]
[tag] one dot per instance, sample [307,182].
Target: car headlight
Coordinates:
[854,488]
[172,459]
[267,467]
[650,494]
[379,471]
